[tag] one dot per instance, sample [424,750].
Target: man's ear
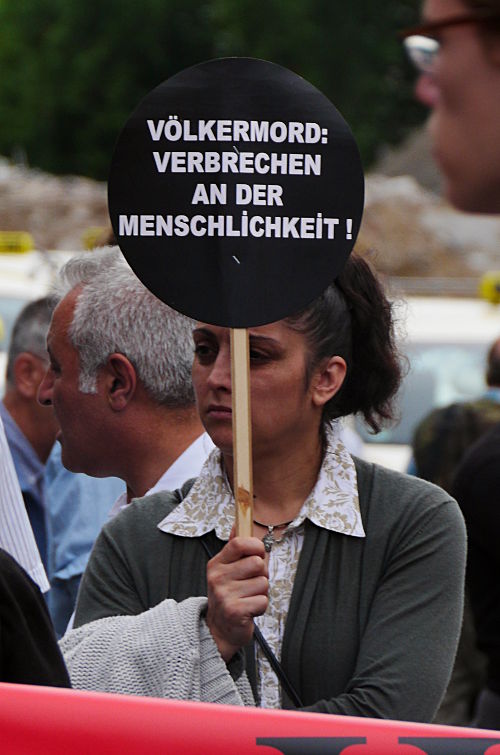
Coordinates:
[327,380]
[28,374]
[120,381]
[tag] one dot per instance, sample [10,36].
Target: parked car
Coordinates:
[446,342]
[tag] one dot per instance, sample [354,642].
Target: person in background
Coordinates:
[476,488]
[440,442]
[447,432]
[77,506]
[29,653]
[65,539]
[456,50]
[30,428]
[120,379]
[28,648]
[16,535]
[340,573]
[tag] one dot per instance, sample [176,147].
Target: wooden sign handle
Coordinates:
[242,431]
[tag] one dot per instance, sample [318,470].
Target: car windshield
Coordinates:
[439,374]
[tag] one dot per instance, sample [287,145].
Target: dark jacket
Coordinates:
[29,653]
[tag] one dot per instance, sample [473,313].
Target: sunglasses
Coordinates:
[421,44]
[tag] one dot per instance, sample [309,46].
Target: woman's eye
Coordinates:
[258,356]
[204,352]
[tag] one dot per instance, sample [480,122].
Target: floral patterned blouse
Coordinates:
[333,504]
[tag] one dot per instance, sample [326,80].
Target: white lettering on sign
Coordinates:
[262,163]
[260,194]
[214,152]
[216,194]
[257,226]
[224,130]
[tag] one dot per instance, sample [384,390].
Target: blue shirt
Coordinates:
[30,473]
[492,394]
[77,507]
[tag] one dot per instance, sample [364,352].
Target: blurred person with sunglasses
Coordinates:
[456,50]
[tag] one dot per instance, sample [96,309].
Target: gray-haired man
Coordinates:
[120,378]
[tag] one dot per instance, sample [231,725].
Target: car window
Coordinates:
[439,374]
[10,306]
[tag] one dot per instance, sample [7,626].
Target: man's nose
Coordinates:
[45,389]
[426,90]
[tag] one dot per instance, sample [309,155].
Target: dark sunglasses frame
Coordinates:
[427,28]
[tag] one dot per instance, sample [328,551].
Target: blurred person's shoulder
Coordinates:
[483,455]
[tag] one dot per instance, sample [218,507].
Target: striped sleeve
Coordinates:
[16,535]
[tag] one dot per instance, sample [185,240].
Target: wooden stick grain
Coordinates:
[242,431]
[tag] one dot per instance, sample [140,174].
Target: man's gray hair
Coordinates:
[115,312]
[30,332]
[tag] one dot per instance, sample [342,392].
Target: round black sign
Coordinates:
[236,192]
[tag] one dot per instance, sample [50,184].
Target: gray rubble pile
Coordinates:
[415,233]
[56,210]
[410,229]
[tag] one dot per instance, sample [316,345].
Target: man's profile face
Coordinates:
[463,91]
[77,413]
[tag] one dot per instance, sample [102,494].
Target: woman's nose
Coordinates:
[220,374]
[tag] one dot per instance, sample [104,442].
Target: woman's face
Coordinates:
[283,406]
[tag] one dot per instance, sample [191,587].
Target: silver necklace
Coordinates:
[269,540]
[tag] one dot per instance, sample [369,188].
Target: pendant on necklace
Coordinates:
[268,539]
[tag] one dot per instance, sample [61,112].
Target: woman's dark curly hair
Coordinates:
[353,319]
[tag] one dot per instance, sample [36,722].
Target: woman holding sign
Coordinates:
[354,574]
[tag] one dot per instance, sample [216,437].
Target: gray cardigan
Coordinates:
[167,651]
[373,622]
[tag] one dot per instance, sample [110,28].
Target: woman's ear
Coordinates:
[327,380]
[120,381]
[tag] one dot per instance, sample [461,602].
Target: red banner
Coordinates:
[42,720]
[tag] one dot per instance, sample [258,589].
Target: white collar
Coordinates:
[332,504]
[187,465]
